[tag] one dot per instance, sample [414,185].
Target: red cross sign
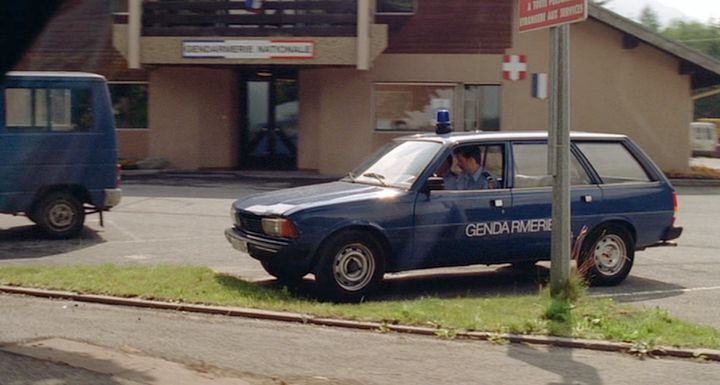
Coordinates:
[514,67]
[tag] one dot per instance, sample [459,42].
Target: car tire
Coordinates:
[283,273]
[350,267]
[60,215]
[607,256]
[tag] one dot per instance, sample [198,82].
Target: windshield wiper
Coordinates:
[380,178]
[351,176]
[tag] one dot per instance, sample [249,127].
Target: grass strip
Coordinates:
[587,317]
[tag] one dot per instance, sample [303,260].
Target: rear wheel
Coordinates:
[607,256]
[60,215]
[350,267]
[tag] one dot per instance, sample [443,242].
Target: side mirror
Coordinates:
[434,183]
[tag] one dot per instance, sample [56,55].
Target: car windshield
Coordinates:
[397,165]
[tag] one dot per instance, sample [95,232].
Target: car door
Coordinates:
[532,195]
[461,227]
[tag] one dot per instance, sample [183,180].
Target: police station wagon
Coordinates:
[430,200]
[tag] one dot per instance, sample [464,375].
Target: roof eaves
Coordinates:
[671,46]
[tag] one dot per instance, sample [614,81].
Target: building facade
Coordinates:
[320,85]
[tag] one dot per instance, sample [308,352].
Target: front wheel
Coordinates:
[607,256]
[351,266]
[60,215]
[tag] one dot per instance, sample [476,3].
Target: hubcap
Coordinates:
[61,215]
[610,254]
[354,267]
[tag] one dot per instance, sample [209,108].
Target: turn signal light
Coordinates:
[279,227]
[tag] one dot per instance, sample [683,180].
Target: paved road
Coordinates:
[181,221]
[109,339]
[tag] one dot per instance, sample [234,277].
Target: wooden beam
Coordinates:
[630,41]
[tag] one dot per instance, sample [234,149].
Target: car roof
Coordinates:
[468,136]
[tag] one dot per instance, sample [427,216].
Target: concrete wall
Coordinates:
[133,144]
[192,117]
[637,92]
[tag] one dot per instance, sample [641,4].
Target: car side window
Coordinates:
[530,166]
[613,162]
[476,167]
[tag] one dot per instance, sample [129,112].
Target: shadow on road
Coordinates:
[40,365]
[502,280]
[30,242]
[485,282]
[638,289]
[556,360]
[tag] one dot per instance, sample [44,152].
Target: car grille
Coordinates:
[250,222]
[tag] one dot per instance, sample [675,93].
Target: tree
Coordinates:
[703,37]
[649,18]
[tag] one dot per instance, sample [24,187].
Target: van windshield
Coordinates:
[397,165]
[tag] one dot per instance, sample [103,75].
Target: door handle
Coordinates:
[496,203]
[587,198]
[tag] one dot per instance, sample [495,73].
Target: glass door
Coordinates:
[269,115]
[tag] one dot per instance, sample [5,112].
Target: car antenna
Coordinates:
[443,122]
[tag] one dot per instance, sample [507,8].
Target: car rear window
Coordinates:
[613,162]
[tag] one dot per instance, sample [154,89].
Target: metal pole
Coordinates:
[134,32]
[560,145]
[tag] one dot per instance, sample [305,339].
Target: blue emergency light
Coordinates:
[443,122]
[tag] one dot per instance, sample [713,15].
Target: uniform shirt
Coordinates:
[450,180]
[480,180]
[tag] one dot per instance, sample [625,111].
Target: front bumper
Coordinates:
[249,244]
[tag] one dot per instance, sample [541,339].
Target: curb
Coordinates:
[619,347]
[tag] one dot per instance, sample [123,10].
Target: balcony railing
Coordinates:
[232,18]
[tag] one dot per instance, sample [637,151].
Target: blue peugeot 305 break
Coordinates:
[429,200]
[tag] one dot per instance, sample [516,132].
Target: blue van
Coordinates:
[58,151]
[407,207]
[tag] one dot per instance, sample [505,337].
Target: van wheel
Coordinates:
[351,266]
[607,256]
[60,215]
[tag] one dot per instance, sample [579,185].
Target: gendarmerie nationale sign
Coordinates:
[248,49]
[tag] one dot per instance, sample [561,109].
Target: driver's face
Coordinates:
[462,162]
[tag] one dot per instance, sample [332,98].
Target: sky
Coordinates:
[697,10]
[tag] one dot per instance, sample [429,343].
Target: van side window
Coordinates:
[49,109]
[530,160]
[613,162]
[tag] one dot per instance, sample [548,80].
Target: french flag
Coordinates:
[540,85]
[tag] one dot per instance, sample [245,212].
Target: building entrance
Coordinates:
[268,119]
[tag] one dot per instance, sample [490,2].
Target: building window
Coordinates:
[410,107]
[43,109]
[481,107]
[130,104]
[396,6]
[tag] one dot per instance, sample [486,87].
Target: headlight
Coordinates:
[279,227]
